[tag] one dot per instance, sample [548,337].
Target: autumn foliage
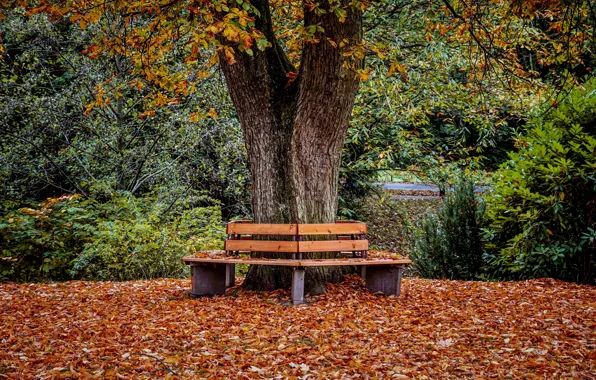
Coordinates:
[513,39]
[435,329]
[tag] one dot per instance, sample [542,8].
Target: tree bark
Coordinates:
[294,133]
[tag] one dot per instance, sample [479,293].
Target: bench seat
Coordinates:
[297,262]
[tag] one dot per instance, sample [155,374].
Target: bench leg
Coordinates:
[384,278]
[230,275]
[208,279]
[298,286]
[363,271]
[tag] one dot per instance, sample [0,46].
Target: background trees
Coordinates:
[54,142]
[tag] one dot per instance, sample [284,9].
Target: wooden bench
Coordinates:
[291,245]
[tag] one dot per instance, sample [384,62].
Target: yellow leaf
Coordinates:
[212,113]
[93,17]
[399,68]
[364,75]
[229,55]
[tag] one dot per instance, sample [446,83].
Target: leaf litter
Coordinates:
[436,329]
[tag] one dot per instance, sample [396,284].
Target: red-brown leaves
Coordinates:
[436,329]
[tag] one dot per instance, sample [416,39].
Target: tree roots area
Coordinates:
[435,329]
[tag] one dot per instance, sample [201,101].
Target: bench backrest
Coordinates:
[348,236]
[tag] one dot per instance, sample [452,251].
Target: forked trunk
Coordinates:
[294,132]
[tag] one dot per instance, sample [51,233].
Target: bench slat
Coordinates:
[298,263]
[261,246]
[332,229]
[333,245]
[359,262]
[261,229]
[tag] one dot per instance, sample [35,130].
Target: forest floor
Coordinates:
[435,329]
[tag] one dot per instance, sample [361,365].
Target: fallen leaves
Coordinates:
[436,329]
[374,254]
[215,254]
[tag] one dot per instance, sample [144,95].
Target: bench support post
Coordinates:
[363,272]
[298,285]
[230,275]
[208,279]
[384,278]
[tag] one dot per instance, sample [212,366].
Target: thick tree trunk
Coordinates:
[294,133]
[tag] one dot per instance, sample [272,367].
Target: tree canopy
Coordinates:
[516,41]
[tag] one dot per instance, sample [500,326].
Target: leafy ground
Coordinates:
[436,329]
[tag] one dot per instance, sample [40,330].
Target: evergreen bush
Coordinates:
[543,210]
[448,244]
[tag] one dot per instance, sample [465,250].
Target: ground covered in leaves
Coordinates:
[436,329]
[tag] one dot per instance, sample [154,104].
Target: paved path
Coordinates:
[420,187]
[409,186]
[423,197]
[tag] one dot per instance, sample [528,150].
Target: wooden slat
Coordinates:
[255,261]
[360,262]
[332,229]
[333,245]
[261,229]
[298,263]
[261,246]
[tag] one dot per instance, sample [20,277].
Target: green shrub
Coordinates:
[448,244]
[543,211]
[39,243]
[147,247]
[124,238]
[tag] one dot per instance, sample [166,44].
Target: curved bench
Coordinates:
[291,245]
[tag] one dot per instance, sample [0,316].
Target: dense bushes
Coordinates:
[120,239]
[448,244]
[540,218]
[40,243]
[543,210]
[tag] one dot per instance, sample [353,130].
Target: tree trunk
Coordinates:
[294,132]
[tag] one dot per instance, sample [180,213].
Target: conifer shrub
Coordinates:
[448,243]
